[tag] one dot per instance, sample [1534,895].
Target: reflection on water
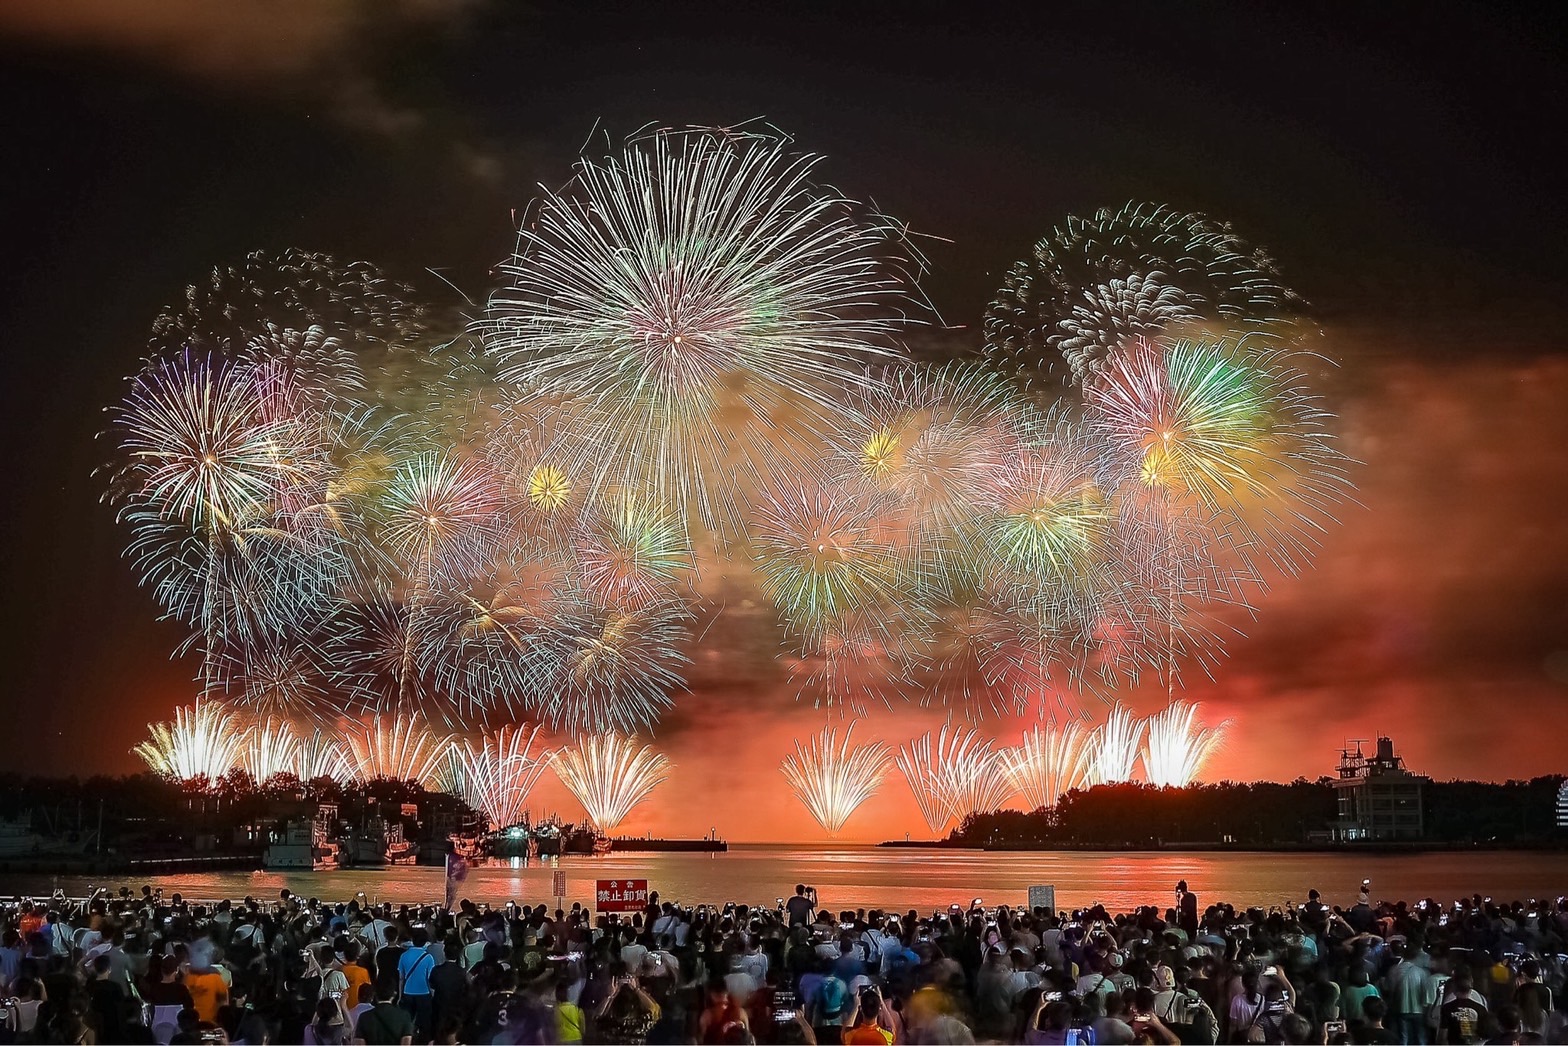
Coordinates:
[920,878]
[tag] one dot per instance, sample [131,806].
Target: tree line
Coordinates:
[1134,814]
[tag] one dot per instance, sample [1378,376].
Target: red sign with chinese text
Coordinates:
[620,895]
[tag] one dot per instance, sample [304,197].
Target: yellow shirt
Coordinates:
[208,992]
[568,1022]
[357,976]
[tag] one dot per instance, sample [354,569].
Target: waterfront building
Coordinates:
[1378,797]
[1562,805]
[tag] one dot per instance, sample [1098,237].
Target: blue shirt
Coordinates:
[10,963]
[413,970]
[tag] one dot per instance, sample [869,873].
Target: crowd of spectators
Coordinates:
[142,967]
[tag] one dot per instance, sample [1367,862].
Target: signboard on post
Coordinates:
[620,895]
[558,884]
[1042,897]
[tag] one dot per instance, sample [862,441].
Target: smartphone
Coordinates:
[1333,1028]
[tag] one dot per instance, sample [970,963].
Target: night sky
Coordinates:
[1398,160]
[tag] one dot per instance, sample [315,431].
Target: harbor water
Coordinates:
[898,878]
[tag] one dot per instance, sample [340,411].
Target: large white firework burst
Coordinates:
[1046,763]
[1178,745]
[498,772]
[204,741]
[609,774]
[832,778]
[709,301]
[1111,752]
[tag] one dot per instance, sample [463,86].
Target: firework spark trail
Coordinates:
[832,778]
[499,772]
[973,779]
[709,300]
[399,749]
[1178,747]
[609,774]
[848,667]
[916,762]
[271,748]
[954,777]
[204,741]
[1111,751]
[323,755]
[1046,764]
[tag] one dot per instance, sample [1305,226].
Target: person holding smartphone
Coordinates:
[863,1023]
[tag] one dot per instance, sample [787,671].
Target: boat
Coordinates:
[17,839]
[302,845]
[377,843]
[470,846]
[546,839]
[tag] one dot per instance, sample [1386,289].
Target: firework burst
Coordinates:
[931,442]
[1111,751]
[272,748]
[499,772]
[399,749]
[832,778]
[204,741]
[442,517]
[709,299]
[1178,747]
[323,755]
[616,669]
[609,774]
[1046,764]
[196,447]
[822,559]
[1138,270]
[631,555]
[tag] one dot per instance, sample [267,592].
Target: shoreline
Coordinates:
[1390,846]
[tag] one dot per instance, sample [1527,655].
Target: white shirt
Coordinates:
[633,955]
[375,932]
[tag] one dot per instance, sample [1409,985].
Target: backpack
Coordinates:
[833,994]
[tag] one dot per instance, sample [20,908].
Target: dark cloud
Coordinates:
[293,50]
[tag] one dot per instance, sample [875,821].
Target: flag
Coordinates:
[457,871]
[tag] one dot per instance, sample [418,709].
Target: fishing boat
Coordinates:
[377,843]
[302,845]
